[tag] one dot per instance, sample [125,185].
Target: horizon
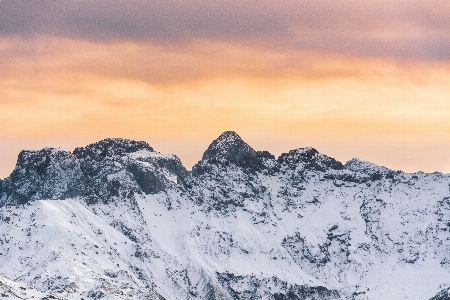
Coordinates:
[351,79]
[189,167]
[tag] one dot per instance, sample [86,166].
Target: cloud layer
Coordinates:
[402,29]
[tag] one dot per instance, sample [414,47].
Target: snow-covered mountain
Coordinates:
[117,220]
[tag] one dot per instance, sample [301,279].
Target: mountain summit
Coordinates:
[229,145]
[109,148]
[99,172]
[118,220]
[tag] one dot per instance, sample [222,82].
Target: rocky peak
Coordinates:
[373,171]
[229,145]
[119,168]
[309,158]
[37,162]
[110,148]
[105,170]
[49,173]
[230,148]
[358,165]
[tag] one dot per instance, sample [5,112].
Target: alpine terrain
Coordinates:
[118,220]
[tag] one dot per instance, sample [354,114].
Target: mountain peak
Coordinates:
[358,165]
[228,137]
[230,145]
[40,159]
[309,158]
[110,147]
[49,173]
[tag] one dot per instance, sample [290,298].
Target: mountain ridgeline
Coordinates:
[125,221]
[103,171]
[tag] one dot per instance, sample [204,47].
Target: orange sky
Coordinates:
[369,81]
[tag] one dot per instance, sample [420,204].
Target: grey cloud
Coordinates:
[399,29]
[135,20]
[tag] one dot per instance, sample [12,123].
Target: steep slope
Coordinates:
[241,225]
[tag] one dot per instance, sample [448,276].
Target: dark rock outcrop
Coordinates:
[110,149]
[373,171]
[119,168]
[49,173]
[229,162]
[252,287]
[442,295]
[230,145]
[230,148]
[103,171]
[309,159]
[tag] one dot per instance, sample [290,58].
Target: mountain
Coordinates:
[118,220]
[103,171]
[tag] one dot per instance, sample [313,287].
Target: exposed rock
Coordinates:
[103,171]
[252,287]
[309,159]
[118,168]
[49,173]
[373,171]
[442,295]
[110,149]
[231,146]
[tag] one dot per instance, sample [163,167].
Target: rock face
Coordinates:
[103,171]
[46,174]
[309,159]
[109,149]
[442,295]
[229,173]
[230,146]
[251,287]
[128,222]
[119,168]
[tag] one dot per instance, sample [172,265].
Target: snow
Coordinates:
[148,154]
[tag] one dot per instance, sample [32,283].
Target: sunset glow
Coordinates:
[359,79]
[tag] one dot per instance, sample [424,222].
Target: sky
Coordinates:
[366,79]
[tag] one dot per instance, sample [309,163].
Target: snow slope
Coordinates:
[124,221]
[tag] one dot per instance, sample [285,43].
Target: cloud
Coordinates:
[401,29]
[68,60]
[332,74]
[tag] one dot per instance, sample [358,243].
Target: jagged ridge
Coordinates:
[101,171]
